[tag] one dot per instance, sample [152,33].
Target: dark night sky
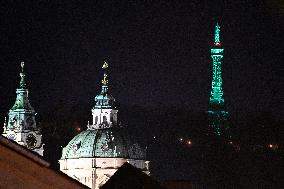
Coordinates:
[159,53]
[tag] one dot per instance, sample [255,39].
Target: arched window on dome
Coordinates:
[104,119]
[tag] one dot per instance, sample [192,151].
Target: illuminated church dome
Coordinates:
[95,154]
[111,142]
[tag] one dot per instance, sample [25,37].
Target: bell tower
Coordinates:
[216,114]
[21,125]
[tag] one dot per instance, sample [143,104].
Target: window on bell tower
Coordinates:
[104,119]
[96,120]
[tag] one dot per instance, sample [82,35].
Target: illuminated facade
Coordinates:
[95,154]
[21,125]
[216,114]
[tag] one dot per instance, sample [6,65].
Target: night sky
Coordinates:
[158,52]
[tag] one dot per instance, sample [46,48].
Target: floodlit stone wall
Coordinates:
[94,172]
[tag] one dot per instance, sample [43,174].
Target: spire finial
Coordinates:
[105,65]
[105,80]
[22,65]
[217,35]
[22,75]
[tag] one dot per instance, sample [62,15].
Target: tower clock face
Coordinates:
[31,141]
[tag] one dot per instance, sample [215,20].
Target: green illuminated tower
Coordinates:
[216,114]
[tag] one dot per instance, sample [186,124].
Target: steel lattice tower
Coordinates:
[218,117]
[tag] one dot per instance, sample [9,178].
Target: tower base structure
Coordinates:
[218,122]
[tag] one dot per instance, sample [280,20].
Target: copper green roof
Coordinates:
[22,101]
[112,142]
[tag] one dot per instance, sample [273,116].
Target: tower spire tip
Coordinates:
[105,65]
[22,75]
[217,35]
[22,65]
[105,79]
